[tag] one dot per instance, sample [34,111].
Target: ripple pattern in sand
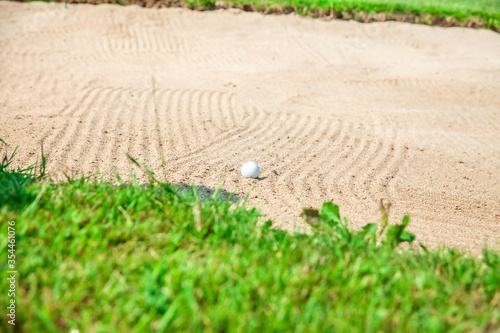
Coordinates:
[142,119]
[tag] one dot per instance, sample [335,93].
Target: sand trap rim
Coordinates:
[492,23]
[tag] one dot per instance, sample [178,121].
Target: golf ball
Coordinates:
[250,170]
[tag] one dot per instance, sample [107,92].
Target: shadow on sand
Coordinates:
[206,192]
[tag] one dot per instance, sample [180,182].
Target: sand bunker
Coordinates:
[335,110]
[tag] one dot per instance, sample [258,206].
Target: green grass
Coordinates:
[105,257]
[462,9]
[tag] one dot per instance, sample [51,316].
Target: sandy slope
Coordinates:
[331,110]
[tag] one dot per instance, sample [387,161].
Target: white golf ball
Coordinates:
[250,170]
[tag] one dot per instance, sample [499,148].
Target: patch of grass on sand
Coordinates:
[433,12]
[129,257]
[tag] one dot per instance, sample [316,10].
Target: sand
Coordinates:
[331,110]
